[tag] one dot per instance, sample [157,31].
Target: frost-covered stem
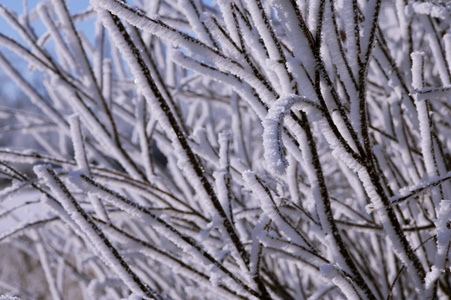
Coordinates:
[353,36]
[369,177]
[335,274]
[185,242]
[344,70]
[144,140]
[98,207]
[164,257]
[156,74]
[33,95]
[427,144]
[366,50]
[79,145]
[391,224]
[83,65]
[270,208]
[319,189]
[321,73]
[160,29]
[194,168]
[442,256]
[56,294]
[25,34]
[100,132]
[226,183]
[93,232]
[89,79]
[61,46]
[447,42]
[419,188]
[257,247]
[437,49]
[192,14]
[323,206]
[271,43]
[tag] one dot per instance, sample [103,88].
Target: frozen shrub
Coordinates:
[234,149]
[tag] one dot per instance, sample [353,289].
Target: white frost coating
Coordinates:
[402,146]
[299,46]
[292,174]
[12,20]
[338,151]
[133,209]
[224,139]
[436,48]
[62,214]
[74,42]
[263,27]
[334,273]
[447,42]
[271,210]
[227,15]
[256,247]
[443,242]
[216,275]
[223,177]
[107,80]
[433,93]
[310,169]
[34,96]
[370,11]
[256,13]
[303,253]
[176,37]
[387,225]
[167,259]
[202,146]
[434,10]
[410,190]
[143,138]
[94,125]
[61,46]
[222,190]
[79,145]
[313,12]
[241,87]
[272,68]
[239,102]
[343,129]
[98,208]
[424,119]
[45,263]
[94,235]
[273,131]
[353,48]
[98,53]
[332,40]
[192,14]
[417,70]
[272,135]
[222,38]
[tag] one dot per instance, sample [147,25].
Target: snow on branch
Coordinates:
[256,149]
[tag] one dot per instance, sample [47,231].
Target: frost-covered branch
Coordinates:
[253,149]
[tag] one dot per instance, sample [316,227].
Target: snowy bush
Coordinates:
[231,150]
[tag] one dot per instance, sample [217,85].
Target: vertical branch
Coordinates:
[45,263]
[79,145]
[371,19]
[424,118]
